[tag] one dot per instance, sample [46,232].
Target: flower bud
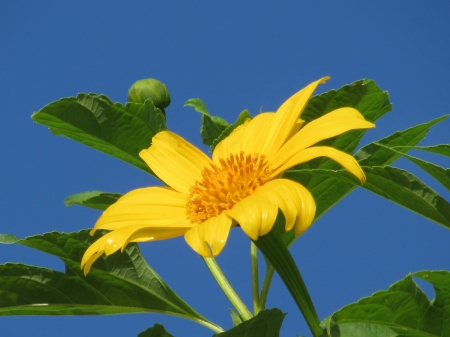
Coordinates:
[152,90]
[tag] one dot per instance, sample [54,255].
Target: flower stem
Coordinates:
[227,289]
[266,286]
[255,278]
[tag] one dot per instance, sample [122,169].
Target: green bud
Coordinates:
[150,89]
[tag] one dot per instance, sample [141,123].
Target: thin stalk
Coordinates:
[266,286]
[209,325]
[255,278]
[227,288]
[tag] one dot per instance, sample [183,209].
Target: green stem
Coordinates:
[266,286]
[255,278]
[227,289]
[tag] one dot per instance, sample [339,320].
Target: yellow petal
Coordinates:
[327,126]
[294,200]
[248,137]
[175,161]
[93,253]
[119,239]
[298,125]
[345,160]
[147,207]
[209,236]
[255,214]
[254,138]
[231,144]
[286,117]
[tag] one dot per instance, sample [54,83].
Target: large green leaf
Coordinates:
[266,324]
[212,126]
[93,199]
[401,311]
[393,184]
[121,131]
[156,331]
[120,283]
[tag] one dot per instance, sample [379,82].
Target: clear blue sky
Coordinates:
[235,56]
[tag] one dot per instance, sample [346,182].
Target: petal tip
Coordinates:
[324,79]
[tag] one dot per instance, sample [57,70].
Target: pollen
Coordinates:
[221,187]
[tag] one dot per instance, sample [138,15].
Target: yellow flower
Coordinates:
[241,184]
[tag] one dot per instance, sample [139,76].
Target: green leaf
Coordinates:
[266,324]
[212,126]
[94,199]
[440,174]
[243,116]
[278,255]
[394,184]
[198,105]
[363,95]
[8,238]
[378,153]
[401,311]
[157,331]
[442,149]
[235,318]
[328,191]
[119,283]
[93,120]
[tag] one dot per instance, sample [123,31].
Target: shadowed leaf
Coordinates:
[157,331]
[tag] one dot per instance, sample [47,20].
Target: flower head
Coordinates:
[241,184]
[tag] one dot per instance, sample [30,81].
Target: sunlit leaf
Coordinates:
[94,199]
[8,238]
[121,131]
[198,105]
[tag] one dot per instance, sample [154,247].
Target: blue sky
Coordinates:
[235,56]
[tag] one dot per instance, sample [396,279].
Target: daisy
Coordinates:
[241,184]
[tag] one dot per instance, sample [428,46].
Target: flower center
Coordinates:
[222,187]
